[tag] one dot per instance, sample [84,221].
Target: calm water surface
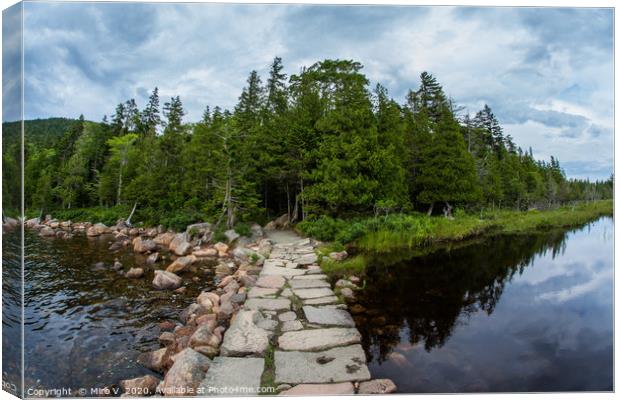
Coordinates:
[86,325]
[525,313]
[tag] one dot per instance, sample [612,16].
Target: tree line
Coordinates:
[320,142]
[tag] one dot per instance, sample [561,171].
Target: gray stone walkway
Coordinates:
[292,330]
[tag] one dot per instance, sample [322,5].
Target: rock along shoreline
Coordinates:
[272,325]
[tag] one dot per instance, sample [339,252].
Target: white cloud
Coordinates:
[552,91]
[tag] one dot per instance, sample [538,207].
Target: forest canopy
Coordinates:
[321,142]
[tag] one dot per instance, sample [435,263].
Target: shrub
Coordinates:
[324,228]
[243,229]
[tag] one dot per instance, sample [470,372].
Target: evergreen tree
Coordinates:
[149,118]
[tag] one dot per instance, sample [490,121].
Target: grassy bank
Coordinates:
[400,231]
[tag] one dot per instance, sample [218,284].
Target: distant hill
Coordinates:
[41,132]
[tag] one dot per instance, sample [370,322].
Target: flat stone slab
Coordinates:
[272,262]
[281,271]
[244,337]
[322,301]
[308,283]
[306,259]
[261,292]
[268,304]
[230,376]
[328,316]
[311,276]
[313,293]
[317,389]
[271,281]
[342,364]
[318,339]
[287,316]
[294,325]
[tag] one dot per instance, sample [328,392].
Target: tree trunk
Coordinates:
[120,185]
[430,210]
[295,210]
[447,211]
[303,203]
[133,210]
[288,202]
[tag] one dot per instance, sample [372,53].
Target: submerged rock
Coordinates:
[165,280]
[135,273]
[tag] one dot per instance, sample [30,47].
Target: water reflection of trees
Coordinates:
[429,294]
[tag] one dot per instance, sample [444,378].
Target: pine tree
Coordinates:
[149,118]
[446,170]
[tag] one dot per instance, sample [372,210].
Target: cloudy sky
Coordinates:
[547,73]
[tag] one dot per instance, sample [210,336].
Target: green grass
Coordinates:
[268,379]
[352,265]
[402,231]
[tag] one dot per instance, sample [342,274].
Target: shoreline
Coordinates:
[446,233]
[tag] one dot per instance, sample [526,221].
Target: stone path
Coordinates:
[293,333]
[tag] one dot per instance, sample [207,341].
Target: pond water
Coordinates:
[503,314]
[522,313]
[84,325]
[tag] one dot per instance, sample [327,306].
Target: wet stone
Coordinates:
[328,316]
[342,364]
